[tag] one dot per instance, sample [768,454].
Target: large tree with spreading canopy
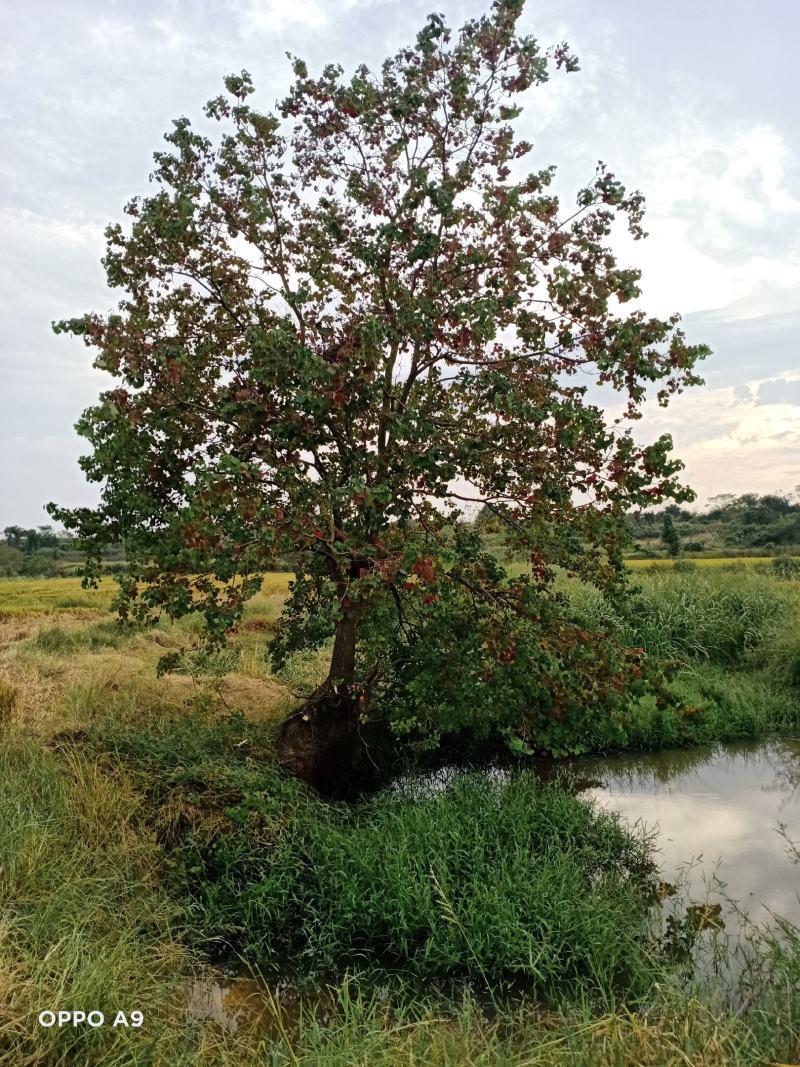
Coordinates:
[343,319]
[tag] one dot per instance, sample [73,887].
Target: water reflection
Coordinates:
[717,810]
[231,1003]
[242,1002]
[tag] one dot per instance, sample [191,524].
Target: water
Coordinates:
[722,813]
[240,1001]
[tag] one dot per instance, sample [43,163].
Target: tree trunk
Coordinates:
[343,660]
[321,742]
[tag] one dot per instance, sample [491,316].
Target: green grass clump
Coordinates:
[493,880]
[496,882]
[692,616]
[56,640]
[787,567]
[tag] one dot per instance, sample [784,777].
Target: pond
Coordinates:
[724,814]
[724,817]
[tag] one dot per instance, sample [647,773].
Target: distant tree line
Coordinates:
[768,522]
[29,551]
[43,552]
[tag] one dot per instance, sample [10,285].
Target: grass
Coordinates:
[695,617]
[84,919]
[87,921]
[365,1030]
[714,562]
[23,595]
[143,826]
[733,640]
[69,666]
[513,882]
[19,596]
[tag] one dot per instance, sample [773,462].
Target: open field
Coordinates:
[146,831]
[21,595]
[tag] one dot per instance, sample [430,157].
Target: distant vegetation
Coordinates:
[732,524]
[747,525]
[43,552]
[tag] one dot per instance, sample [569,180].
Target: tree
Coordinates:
[14,536]
[11,561]
[30,541]
[338,314]
[669,536]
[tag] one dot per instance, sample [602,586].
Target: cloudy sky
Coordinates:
[693,103]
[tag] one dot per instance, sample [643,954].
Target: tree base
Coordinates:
[323,745]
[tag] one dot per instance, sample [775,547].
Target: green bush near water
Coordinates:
[493,881]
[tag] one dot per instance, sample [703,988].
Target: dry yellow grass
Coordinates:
[60,682]
[18,596]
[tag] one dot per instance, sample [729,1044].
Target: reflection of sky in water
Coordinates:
[720,806]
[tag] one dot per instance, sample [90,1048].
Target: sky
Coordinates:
[693,103]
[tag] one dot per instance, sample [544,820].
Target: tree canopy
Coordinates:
[344,318]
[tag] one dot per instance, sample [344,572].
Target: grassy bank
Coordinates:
[731,641]
[522,882]
[494,882]
[145,831]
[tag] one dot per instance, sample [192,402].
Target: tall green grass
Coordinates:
[85,922]
[693,616]
[731,642]
[493,881]
[518,881]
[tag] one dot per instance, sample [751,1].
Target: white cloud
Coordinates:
[271,16]
[727,439]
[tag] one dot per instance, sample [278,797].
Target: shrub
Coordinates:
[544,681]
